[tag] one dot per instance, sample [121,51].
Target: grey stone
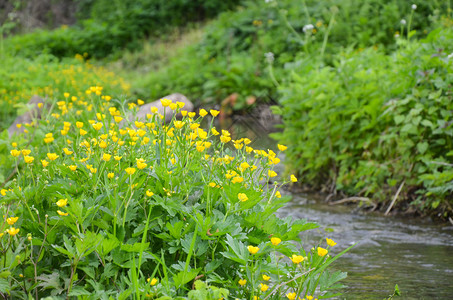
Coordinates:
[35,112]
[176,97]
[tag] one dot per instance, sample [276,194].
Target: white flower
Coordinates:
[308,28]
[414,6]
[450,56]
[403,22]
[269,56]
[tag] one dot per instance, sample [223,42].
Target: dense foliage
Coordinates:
[106,27]
[103,207]
[231,57]
[373,122]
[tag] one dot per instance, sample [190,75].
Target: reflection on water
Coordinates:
[415,254]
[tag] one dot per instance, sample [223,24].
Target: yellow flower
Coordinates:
[72,167]
[3,192]
[266,278]
[103,144]
[225,139]
[173,106]
[291,296]
[62,202]
[330,242]
[214,131]
[237,179]
[278,194]
[152,281]
[52,156]
[293,178]
[93,170]
[281,147]
[191,114]
[66,95]
[154,109]
[179,124]
[149,193]
[106,157]
[165,102]
[12,220]
[203,112]
[252,249]
[130,171]
[242,197]
[244,166]
[12,231]
[82,132]
[63,214]
[212,184]
[297,259]
[141,165]
[140,102]
[118,119]
[264,287]
[44,162]
[117,158]
[29,159]
[322,251]
[67,152]
[110,175]
[272,173]
[97,126]
[275,241]
[79,124]
[214,113]
[242,282]
[15,152]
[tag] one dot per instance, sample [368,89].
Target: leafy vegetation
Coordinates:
[142,209]
[374,121]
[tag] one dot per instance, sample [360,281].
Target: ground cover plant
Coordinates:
[106,208]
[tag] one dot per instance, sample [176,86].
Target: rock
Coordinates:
[34,113]
[146,109]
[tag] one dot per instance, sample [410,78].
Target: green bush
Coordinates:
[374,121]
[147,210]
[231,56]
[106,27]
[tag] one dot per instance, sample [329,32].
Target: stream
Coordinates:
[416,254]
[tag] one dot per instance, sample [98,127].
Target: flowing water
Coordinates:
[414,253]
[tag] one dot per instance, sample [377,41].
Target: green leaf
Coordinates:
[4,286]
[422,147]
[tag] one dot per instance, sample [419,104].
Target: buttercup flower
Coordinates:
[203,112]
[63,214]
[110,175]
[264,287]
[242,197]
[297,259]
[281,147]
[130,171]
[29,159]
[330,242]
[12,220]
[252,249]
[271,173]
[72,167]
[12,231]
[44,163]
[293,178]
[62,202]
[15,152]
[106,157]
[291,296]
[322,251]
[152,281]
[275,241]
[52,156]
[266,278]
[165,102]
[242,282]
[149,193]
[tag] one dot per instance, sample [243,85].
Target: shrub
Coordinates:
[231,57]
[374,122]
[147,210]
